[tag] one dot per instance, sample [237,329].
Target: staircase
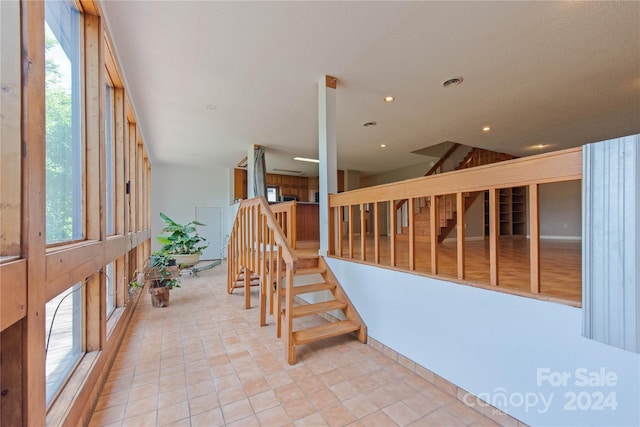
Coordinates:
[447,209]
[315,281]
[260,255]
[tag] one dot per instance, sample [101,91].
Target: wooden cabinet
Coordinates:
[239,184]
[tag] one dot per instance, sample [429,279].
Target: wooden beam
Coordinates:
[95,322]
[494,233]
[460,213]
[331,81]
[534,238]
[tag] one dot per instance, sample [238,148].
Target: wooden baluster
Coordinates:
[363,233]
[534,238]
[494,232]
[376,232]
[278,305]
[289,345]
[350,232]
[394,231]
[460,234]
[340,230]
[412,238]
[434,210]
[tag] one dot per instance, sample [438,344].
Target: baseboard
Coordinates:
[466,239]
[571,238]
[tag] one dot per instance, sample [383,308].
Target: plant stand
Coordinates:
[153,275]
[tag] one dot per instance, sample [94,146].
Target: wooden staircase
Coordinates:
[447,209]
[259,254]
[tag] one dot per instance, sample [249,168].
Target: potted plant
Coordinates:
[162,275]
[181,242]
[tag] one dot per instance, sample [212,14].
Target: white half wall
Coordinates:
[177,190]
[511,351]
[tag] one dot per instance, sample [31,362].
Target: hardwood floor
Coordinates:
[560,262]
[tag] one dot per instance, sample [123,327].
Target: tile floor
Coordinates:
[204,361]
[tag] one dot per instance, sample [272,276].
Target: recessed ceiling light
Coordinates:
[389,99]
[305,159]
[383,145]
[211,107]
[454,81]
[370,124]
[486,129]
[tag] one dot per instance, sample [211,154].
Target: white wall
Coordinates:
[492,344]
[177,190]
[561,210]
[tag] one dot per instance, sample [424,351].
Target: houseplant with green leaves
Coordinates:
[181,242]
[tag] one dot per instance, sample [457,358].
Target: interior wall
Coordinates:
[473,221]
[177,190]
[396,175]
[561,210]
[512,351]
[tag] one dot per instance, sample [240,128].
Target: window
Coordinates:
[110,280]
[64,149]
[109,161]
[10,135]
[272,194]
[63,337]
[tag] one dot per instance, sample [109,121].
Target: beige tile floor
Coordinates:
[204,361]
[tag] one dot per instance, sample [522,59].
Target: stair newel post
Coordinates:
[278,304]
[289,344]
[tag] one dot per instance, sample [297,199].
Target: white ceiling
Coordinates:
[557,73]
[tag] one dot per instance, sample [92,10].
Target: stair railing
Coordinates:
[446,192]
[258,245]
[285,214]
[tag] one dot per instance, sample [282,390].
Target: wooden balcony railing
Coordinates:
[352,212]
[285,214]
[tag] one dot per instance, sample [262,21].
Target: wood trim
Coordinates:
[120,163]
[564,165]
[494,233]
[534,238]
[72,265]
[13,290]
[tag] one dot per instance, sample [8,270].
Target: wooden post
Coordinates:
[460,233]
[494,233]
[534,238]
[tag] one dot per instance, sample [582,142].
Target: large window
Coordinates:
[64,149]
[111,287]
[63,337]
[109,160]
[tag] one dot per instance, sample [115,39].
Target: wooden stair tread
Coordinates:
[314,287]
[327,330]
[320,307]
[309,270]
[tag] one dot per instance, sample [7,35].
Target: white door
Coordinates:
[212,231]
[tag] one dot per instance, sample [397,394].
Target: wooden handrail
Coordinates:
[532,171]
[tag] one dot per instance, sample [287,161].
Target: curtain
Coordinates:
[259,172]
